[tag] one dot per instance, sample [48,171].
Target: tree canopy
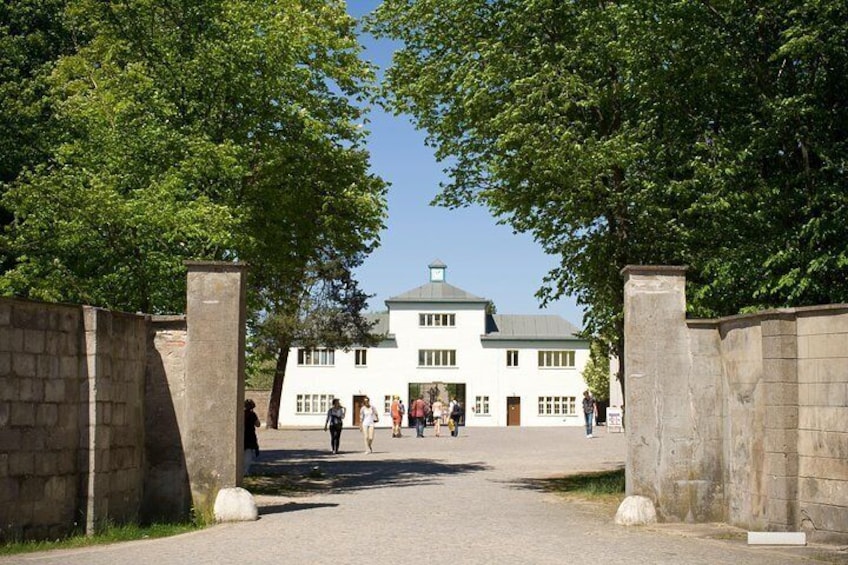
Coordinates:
[227,130]
[709,133]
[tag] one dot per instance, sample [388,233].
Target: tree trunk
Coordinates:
[277,388]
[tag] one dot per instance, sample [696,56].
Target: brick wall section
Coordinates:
[261,398]
[769,389]
[40,425]
[166,486]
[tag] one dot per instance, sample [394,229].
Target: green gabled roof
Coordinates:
[437,292]
[529,327]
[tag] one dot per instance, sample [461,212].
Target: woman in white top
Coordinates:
[367,418]
[437,416]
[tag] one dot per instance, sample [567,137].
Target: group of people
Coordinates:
[419,412]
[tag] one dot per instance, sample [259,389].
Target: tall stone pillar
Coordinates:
[780,378]
[214,388]
[659,420]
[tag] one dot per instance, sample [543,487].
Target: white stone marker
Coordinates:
[777,538]
[235,505]
[636,511]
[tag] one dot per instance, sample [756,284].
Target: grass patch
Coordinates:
[603,486]
[109,534]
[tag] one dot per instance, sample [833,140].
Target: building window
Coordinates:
[556,359]
[437,320]
[557,406]
[481,405]
[361,356]
[314,403]
[325,357]
[387,404]
[512,358]
[437,357]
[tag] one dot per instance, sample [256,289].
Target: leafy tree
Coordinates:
[222,129]
[327,313]
[702,133]
[217,129]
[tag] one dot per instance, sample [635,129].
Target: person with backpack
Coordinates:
[456,413]
[335,421]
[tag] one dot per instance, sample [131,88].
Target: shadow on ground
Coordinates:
[300,472]
[292,507]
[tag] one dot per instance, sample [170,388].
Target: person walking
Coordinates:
[438,408]
[251,443]
[456,413]
[367,418]
[590,410]
[418,411]
[397,415]
[335,421]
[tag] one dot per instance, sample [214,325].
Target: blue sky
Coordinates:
[483,258]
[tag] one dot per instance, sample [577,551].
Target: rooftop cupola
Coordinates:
[437,271]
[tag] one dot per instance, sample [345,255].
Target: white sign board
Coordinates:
[614,420]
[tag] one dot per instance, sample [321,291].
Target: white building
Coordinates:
[507,370]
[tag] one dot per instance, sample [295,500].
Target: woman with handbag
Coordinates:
[335,421]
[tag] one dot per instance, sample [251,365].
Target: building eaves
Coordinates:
[501,327]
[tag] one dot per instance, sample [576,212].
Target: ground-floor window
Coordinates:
[481,405]
[314,403]
[387,404]
[557,405]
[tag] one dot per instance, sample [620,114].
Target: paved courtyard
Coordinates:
[472,499]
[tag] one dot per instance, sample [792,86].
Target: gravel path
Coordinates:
[472,499]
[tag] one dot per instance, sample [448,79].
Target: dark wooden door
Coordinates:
[513,410]
[358,402]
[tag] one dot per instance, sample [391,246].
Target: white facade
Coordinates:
[439,340]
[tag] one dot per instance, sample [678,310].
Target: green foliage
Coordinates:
[646,132]
[596,373]
[185,130]
[108,534]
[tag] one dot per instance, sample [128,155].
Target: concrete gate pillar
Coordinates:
[214,387]
[668,458]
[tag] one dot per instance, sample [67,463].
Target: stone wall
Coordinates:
[70,417]
[107,417]
[41,383]
[114,359]
[167,492]
[740,419]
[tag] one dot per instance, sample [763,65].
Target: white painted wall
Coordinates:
[481,365]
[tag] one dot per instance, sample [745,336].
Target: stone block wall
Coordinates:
[42,396]
[822,414]
[740,419]
[113,417]
[115,357]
